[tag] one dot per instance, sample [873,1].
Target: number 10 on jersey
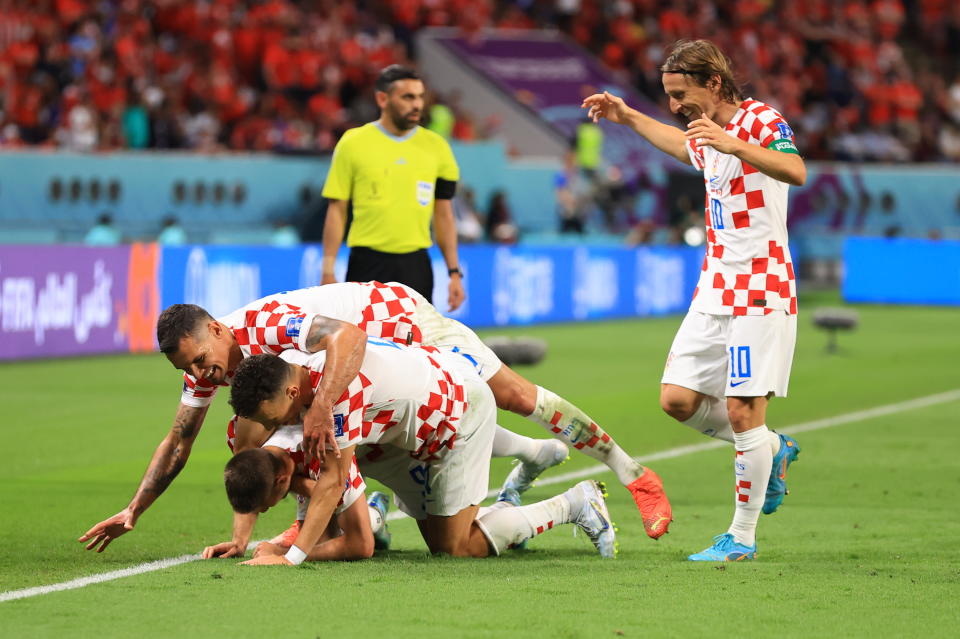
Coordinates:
[716,213]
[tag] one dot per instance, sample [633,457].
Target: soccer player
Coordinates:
[431,407]
[399,177]
[280,463]
[208,351]
[735,347]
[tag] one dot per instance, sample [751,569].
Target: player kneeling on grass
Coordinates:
[434,407]
[258,479]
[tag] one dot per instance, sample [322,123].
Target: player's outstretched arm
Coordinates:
[167,462]
[327,492]
[668,139]
[333,227]
[345,345]
[237,547]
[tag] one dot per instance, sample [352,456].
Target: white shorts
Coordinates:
[445,486]
[445,333]
[733,356]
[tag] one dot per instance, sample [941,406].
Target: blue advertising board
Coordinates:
[901,271]
[505,285]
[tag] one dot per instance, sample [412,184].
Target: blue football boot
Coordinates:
[724,548]
[777,486]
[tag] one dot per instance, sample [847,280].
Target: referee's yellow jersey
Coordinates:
[391,181]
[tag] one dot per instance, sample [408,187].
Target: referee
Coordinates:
[400,176]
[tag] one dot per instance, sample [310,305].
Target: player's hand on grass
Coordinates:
[708,133]
[318,433]
[455,292]
[265,548]
[223,550]
[606,105]
[268,560]
[108,530]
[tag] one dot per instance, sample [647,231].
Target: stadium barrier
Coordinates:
[902,271]
[74,300]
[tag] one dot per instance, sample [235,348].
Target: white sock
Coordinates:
[752,465]
[377,521]
[506,527]
[302,504]
[507,443]
[572,426]
[712,420]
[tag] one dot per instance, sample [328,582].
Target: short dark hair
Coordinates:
[248,478]
[176,322]
[257,378]
[393,73]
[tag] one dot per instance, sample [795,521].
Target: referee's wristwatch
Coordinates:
[455,271]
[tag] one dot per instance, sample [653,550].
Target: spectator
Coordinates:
[500,227]
[469,226]
[573,196]
[284,234]
[104,233]
[171,233]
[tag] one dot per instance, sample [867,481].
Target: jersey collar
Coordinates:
[396,138]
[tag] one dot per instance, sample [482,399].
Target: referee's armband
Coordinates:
[445,189]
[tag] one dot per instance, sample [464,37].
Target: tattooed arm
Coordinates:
[167,462]
[345,345]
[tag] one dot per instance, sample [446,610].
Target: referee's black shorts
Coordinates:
[413,269]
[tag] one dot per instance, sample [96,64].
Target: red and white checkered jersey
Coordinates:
[747,269]
[409,397]
[290,438]
[278,322]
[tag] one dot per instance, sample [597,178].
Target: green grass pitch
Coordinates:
[865,544]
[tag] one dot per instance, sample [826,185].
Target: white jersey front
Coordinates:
[273,323]
[412,398]
[747,269]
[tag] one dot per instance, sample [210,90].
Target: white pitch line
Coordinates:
[680,451]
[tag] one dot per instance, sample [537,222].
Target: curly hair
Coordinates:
[702,60]
[256,379]
[178,321]
[248,477]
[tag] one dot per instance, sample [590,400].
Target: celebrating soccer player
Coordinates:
[737,339]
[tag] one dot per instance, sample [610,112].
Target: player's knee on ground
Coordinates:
[679,403]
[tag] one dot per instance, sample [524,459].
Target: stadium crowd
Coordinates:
[858,79]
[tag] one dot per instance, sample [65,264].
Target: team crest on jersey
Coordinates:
[293,326]
[785,129]
[338,425]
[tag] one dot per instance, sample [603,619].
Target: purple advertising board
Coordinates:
[550,74]
[74,300]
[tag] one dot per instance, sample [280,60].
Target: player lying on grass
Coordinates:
[333,318]
[208,351]
[258,479]
[431,407]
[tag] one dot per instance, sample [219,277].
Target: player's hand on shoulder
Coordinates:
[223,550]
[106,531]
[605,105]
[318,434]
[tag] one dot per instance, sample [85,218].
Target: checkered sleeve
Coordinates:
[696,155]
[354,487]
[273,328]
[197,393]
[349,426]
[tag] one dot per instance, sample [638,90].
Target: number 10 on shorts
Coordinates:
[739,362]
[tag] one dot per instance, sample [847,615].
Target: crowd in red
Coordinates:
[857,79]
